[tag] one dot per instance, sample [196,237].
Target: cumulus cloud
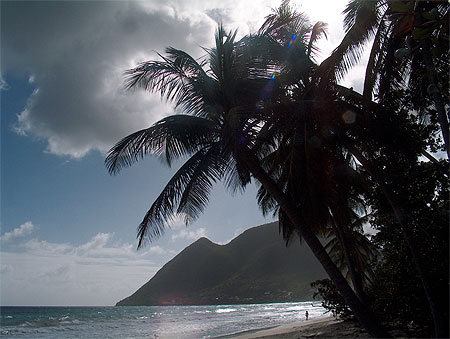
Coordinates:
[74,53]
[158,250]
[190,235]
[42,247]
[3,85]
[99,246]
[23,230]
[100,271]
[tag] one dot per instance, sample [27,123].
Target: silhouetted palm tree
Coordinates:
[409,49]
[365,150]
[353,252]
[326,191]
[307,162]
[208,133]
[220,134]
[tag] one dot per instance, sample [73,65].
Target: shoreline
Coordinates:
[321,327]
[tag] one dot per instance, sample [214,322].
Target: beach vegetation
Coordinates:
[406,74]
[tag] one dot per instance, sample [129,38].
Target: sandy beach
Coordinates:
[323,327]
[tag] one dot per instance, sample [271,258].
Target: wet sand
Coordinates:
[323,327]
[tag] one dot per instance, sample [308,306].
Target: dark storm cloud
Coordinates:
[76,53]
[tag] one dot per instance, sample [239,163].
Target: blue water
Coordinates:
[149,321]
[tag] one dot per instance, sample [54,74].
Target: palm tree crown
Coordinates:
[225,99]
[251,108]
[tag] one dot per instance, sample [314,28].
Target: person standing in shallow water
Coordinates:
[306,315]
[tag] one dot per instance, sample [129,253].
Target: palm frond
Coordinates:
[361,20]
[188,189]
[285,23]
[318,31]
[173,136]
[196,193]
[287,228]
[179,78]
[361,250]
[237,176]
[266,202]
[375,56]
[392,74]
[221,57]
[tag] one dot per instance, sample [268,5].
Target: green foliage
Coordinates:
[331,299]
[398,295]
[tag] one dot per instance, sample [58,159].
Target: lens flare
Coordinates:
[349,117]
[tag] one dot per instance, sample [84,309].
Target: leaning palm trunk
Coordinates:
[361,312]
[440,325]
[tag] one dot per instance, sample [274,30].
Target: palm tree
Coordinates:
[223,124]
[326,193]
[206,134]
[366,153]
[403,219]
[305,161]
[421,28]
[329,72]
[352,251]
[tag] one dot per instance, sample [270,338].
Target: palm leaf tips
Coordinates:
[174,137]
[189,189]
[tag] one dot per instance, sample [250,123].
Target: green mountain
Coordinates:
[255,267]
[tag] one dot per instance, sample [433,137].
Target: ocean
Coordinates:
[149,321]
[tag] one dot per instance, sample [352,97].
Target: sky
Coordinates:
[68,228]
